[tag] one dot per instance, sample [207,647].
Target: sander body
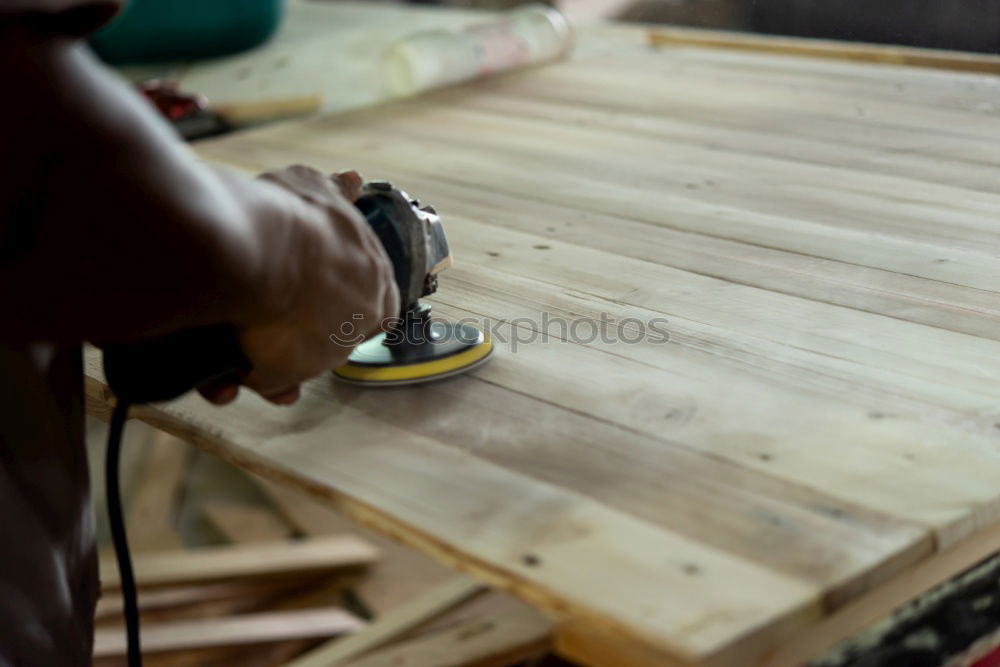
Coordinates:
[414,348]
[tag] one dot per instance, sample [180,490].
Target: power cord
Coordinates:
[116,518]
[149,372]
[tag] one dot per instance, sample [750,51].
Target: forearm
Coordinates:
[131,237]
[118,271]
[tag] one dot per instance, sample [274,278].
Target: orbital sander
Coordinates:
[414,347]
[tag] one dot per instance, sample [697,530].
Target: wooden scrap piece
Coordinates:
[402,572]
[243,524]
[491,641]
[393,623]
[270,559]
[182,596]
[152,506]
[958,61]
[231,631]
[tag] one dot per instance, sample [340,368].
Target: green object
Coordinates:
[176,30]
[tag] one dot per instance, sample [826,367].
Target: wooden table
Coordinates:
[817,441]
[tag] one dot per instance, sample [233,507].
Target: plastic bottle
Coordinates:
[527,35]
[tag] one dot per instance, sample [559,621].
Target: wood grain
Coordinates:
[255,560]
[242,524]
[232,631]
[820,48]
[491,641]
[392,624]
[184,597]
[398,576]
[820,239]
[152,507]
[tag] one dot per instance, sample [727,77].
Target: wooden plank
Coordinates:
[245,524]
[390,458]
[820,48]
[392,624]
[877,604]
[260,560]
[490,641]
[820,419]
[494,627]
[398,576]
[231,631]
[152,507]
[111,605]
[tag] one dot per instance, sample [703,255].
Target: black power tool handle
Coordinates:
[164,368]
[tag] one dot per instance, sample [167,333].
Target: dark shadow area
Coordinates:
[966,25]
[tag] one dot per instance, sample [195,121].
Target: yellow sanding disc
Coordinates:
[442,350]
[419,372]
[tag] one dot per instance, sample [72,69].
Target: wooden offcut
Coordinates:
[399,576]
[822,48]
[392,624]
[231,631]
[112,605]
[255,560]
[789,423]
[490,641]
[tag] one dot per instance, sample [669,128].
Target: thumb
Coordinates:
[349,183]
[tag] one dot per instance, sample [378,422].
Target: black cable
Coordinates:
[117,520]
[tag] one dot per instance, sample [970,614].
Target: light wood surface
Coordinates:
[152,507]
[254,560]
[497,640]
[111,605]
[822,238]
[821,48]
[393,624]
[232,630]
[400,575]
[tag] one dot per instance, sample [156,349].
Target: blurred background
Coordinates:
[968,25]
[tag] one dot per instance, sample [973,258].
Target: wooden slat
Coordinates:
[262,560]
[819,48]
[112,605]
[398,576]
[231,631]
[821,238]
[243,524]
[490,641]
[392,624]
[494,627]
[152,507]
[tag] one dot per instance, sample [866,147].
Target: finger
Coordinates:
[391,303]
[285,397]
[349,183]
[308,183]
[220,394]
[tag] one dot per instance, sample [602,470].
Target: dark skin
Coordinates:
[111,232]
